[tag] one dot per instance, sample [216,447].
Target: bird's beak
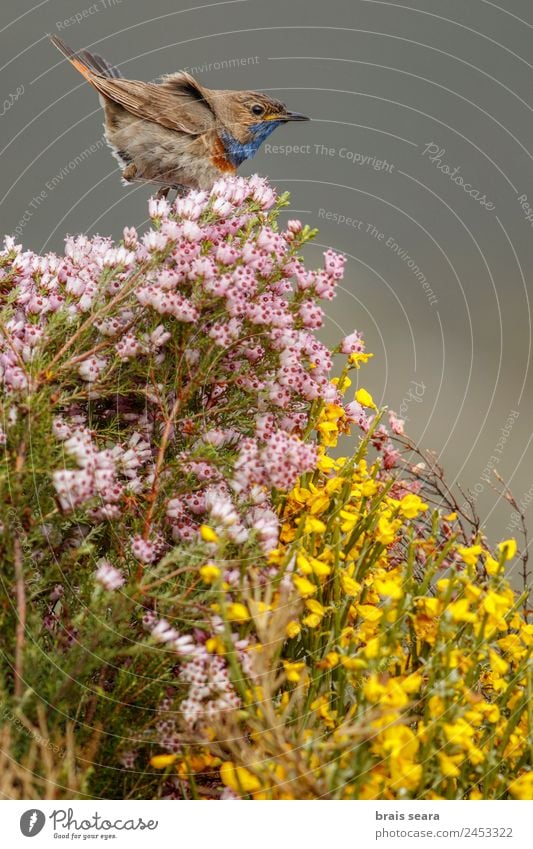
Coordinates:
[295,116]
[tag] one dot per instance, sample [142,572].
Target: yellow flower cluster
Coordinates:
[396,665]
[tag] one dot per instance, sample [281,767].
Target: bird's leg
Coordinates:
[181,190]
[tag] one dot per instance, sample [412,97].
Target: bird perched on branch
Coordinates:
[178,133]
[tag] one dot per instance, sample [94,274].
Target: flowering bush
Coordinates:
[199,599]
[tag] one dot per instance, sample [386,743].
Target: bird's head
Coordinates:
[247,118]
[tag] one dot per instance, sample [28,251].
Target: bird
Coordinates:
[177,133]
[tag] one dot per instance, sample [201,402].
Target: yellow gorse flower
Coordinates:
[208,534]
[358,358]
[237,612]
[304,586]
[507,548]
[522,787]
[209,573]
[293,670]
[470,554]
[162,761]
[239,779]
[365,399]
[412,505]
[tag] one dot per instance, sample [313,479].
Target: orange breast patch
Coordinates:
[219,158]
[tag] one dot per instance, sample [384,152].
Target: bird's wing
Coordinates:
[179,102]
[167,106]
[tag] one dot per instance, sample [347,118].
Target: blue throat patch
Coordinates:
[237,152]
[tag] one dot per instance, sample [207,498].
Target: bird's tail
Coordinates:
[85,62]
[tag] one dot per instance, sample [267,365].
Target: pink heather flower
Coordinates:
[279,463]
[184,530]
[80,447]
[223,333]
[311,314]
[195,502]
[352,344]
[396,424]
[9,245]
[265,426]
[203,471]
[96,475]
[130,237]
[264,521]
[192,206]
[73,487]
[227,254]
[294,226]
[137,453]
[203,267]
[211,692]
[192,232]
[221,187]
[159,337]
[109,326]
[164,302]
[221,207]
[258,494]
[115,257]
[91,368]
[390,456]
[220,508]
[175,508]
[108,576]
[334,264]
[61,429]
[380,436]
[128,347]
[331,395]
[269,240]
[144,550]
[107,512]
[355,413]
[325,285]
[163,632]
[158,208]
[192,356]
[172,230]
[185,645]
[216,437]
[154,241]
[262,193]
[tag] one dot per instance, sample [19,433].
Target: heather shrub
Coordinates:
[199,599]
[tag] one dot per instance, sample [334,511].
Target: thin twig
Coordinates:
[181,398]
[159,464]
[21,620]
[94,316]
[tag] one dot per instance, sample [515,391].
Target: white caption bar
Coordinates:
[239,825]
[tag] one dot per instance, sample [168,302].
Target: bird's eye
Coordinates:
[257,109]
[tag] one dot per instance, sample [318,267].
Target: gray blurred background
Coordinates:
[401,95]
